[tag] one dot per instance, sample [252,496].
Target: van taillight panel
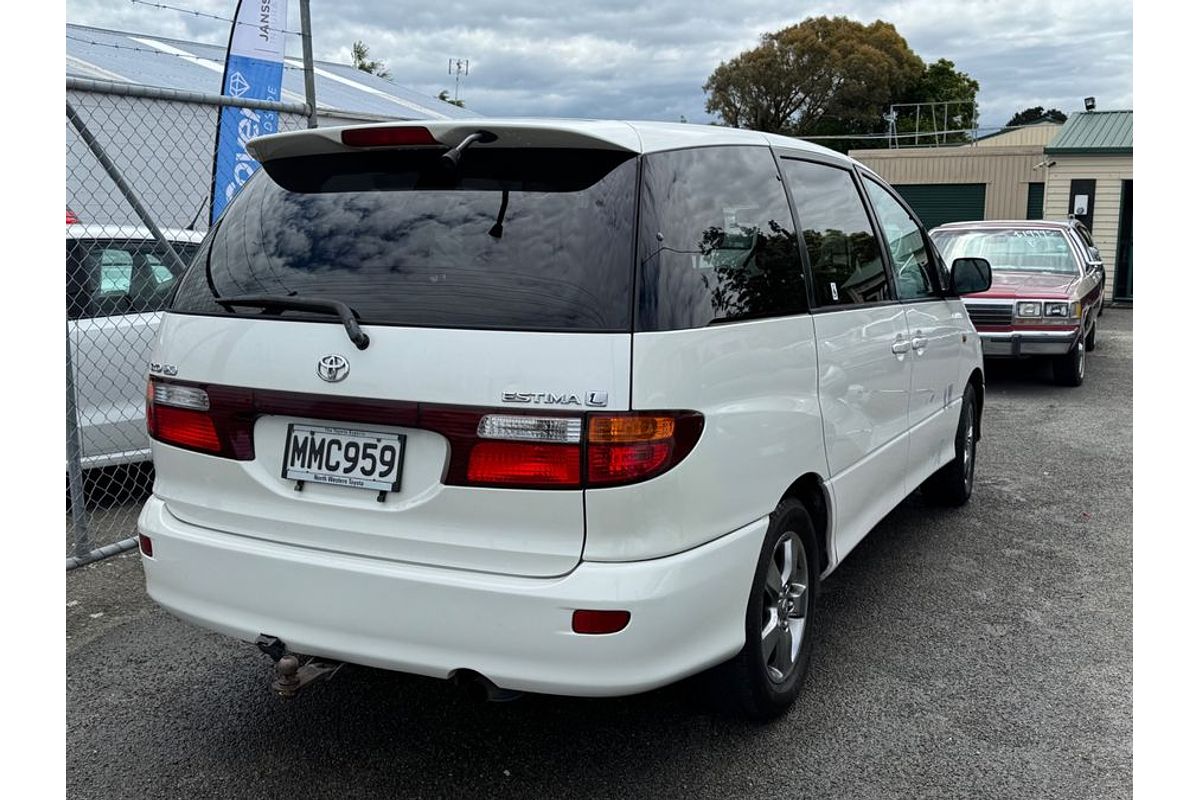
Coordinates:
[619,448]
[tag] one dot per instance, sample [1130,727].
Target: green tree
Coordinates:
[820,68]
[445,97]
[1035,114]
[360,56]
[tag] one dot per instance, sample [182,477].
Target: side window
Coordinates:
[107,278]
[847,266]
[914,268]
[716,242]
[1085,234]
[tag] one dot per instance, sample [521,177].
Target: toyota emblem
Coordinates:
[333,368]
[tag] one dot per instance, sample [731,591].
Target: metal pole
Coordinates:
[310,87]
[125,189]
[79,514]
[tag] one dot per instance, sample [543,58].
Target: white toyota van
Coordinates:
[576,407]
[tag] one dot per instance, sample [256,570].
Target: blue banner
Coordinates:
[253,71]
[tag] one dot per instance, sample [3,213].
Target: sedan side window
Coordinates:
[914,268]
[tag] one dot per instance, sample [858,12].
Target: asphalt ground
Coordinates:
[972,653]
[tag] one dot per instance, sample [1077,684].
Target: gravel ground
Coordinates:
[981,652]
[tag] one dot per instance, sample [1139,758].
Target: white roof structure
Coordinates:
[147,60]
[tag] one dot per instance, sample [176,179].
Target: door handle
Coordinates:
[900,348]
[919,343]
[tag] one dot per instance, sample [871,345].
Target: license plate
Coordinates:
[344,457]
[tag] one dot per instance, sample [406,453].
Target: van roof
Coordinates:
[633,137]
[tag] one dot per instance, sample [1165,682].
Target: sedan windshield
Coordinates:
[1012,250]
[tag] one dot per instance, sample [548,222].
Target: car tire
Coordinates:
[763,680]
[1069,368]
[1090,342]
[952,484]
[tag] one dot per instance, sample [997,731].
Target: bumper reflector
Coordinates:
[596,622]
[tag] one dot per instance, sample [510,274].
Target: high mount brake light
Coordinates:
[501,448]
[398,136]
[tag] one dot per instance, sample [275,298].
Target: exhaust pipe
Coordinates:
[480,690]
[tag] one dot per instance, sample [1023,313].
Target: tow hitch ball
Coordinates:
[290,675]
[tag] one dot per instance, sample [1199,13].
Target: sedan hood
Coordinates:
[1017,285]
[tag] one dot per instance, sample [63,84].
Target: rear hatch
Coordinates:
[496,291]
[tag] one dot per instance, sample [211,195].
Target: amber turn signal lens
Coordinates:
[631,428]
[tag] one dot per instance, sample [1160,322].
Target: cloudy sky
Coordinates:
[647,59]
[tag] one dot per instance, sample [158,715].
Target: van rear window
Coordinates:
[516,239]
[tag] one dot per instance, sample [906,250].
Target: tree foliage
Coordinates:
[361,58]
[821,67]
[836,77]
[1035,114]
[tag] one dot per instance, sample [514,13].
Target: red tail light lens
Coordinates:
[625,448]
[72,217]
[524,464]
[186,428]
[596,622]
[399,136]
[145,545]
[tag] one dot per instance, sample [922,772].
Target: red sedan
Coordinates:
[1047,289]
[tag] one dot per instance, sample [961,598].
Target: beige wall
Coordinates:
[1040,135]
[1108,172]
[1007,171]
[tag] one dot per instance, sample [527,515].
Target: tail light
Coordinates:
[511,450]
[72,217]
[529,451]
[215,420]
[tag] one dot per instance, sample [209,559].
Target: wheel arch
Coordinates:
[976,380]
[810,490]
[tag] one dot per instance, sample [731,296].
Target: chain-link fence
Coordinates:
[139,178]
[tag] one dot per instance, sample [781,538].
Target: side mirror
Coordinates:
[970,275]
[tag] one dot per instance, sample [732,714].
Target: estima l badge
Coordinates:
[594,398]
[333,368]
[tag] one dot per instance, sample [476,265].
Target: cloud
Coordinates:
[638,60]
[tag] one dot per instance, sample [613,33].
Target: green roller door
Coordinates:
[939,203]
[1035,201]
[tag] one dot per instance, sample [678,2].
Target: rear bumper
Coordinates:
[687,610]
[1027,343]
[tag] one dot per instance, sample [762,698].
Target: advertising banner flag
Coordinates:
[253,71]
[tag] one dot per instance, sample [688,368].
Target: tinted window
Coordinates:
[716,240]
[910,258]
[1085,234]
[110,277]
[842,249]
[515,239]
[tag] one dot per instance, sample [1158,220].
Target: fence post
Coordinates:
[310,89]
[125,189]
[79,513]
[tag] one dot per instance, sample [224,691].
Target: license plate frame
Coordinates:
[341,434]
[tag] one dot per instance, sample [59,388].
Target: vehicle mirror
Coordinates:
[970,275]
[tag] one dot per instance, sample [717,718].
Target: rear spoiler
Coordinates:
[597,135]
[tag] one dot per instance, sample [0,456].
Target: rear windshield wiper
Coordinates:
[281,303]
